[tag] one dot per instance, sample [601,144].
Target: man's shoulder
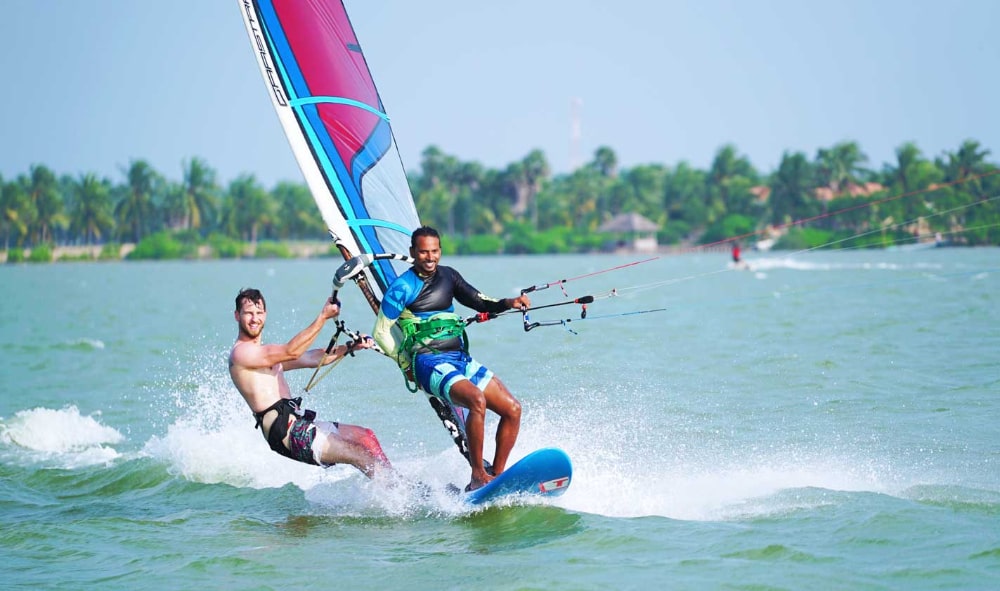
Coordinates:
[403,288]
[239,349]
[407,281]
[404,277]
[449,272]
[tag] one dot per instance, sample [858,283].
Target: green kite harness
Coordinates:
[419,333]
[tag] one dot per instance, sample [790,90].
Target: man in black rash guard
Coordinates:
[434,352]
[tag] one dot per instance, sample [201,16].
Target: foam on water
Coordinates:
[842,440]
[212,439]
[206,435]
[209,437]
[418,489]
[81,344]
[89,343]
[704,492]
[627,474]
[798,264]
[61,435]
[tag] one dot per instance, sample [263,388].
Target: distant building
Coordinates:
[634,232]
[762,193]
[851,189]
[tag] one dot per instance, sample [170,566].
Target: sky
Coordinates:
[91,86]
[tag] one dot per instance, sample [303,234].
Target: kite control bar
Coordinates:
[528,325]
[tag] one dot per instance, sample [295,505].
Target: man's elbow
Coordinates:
[292,353]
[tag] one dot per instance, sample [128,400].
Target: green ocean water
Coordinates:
[825,421]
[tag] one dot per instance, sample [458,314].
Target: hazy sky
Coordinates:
[90,85]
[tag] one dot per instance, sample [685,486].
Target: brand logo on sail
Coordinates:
[265,56]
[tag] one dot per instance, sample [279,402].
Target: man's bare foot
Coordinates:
[478,481]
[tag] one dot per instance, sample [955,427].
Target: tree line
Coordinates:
[524,208]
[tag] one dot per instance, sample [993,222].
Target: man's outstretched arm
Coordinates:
[269,355]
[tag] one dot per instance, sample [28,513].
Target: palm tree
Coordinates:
[908,159]
[469,179]
[171,213]
[525,179]
[14,208]
[791,189]
[197,205]
[91,215]
[536,170]
[605,162]
[435,168]
[647,184]
[585,187]
[964,167]
[912,171]
[841,166]
[436,206]
[43,192]
[446,186]
[492,205]
[516,181]
[684,195]
[729,181]
[555,204]
[299,218]
[135,211]
[249,208]
[967,161]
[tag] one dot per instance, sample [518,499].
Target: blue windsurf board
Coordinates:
[546,472]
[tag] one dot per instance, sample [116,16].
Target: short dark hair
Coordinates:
[423,231]
[250,294]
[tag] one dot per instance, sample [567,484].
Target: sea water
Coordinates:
[825,420]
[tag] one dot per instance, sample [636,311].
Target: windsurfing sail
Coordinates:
[331,112]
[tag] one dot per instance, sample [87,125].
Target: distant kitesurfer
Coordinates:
[258,373]
[736,253]
[434,353]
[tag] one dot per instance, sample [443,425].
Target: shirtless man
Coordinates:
[258,373]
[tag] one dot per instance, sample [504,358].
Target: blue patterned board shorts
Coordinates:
[306,439]
[437,372]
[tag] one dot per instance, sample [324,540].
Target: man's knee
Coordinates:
[513,410]
[503,402]
[360,436]
[367,439]
[469,396]
[477,403]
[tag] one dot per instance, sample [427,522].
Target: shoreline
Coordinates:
[299,250]
[304,249]
[92,253]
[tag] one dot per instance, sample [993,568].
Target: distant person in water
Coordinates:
[434,353]
[736,253]
[258,370]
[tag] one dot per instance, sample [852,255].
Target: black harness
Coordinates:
[275,436]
